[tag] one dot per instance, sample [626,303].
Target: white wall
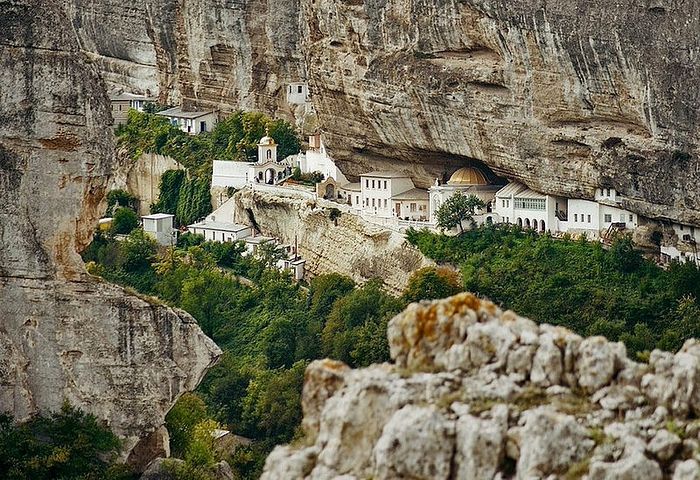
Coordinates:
[295,96]
[230,174]
[608,194]
[682,257]
[161,230]
[193,126]
[318,161]
[376,194]
[222,236]
[421,210]
[584,215]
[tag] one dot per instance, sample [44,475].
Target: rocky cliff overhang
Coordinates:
[65,335]
[478,393]
[565,96]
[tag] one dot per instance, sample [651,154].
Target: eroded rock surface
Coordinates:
[565,96]
[63,334]
[348,245]
[452,406]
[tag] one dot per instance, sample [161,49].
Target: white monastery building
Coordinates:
[192,122]
[680,243]
[221,231]
[160,227]
[316,159]
[388,194]
[266,170]
[468,181]
[518,204]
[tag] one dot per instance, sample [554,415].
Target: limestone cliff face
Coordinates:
[224,54]
[351,246]
[478,393]
[142,177]
[565,95]
[63,334]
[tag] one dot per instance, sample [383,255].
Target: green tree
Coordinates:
[180,421]
[137,252]
[457,209]
[125,221]
[68,444]
[122,198]
[432,283]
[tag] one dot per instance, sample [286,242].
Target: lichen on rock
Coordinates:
[454,405]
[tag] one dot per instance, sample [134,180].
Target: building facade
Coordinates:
[298,93]
[268,169]
[159,226]
[680,243]
[468,181]
[123,102]
[191,122]
[220,231]
[598,218]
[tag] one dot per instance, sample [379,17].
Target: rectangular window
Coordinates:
[413,207]
[681,227]
[575,217]
[373,204]
[384,184]
[630,217]
[299,89]
[607,218]
[622,217]
[366,183]
[589,219]
[530,203]
[372,183]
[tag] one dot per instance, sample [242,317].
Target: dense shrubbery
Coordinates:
[65,445]
[234,138]
[125,220]
[268,326]
[577,284]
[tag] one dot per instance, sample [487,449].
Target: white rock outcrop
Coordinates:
[350,245]
[478,393]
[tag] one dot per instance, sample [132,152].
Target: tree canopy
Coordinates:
[456,210]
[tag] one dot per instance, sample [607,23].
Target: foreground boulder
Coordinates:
[478,393]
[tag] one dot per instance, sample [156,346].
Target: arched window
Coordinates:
[542,229]
[269,154]
[489,221]
[520,222]
[527,223]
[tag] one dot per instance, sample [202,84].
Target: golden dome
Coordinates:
[468,176]
[267,141]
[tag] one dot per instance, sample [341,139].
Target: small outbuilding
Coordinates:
[192,122]
[160,227]
[221,231]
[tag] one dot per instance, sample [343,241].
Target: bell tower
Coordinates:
[267,148]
